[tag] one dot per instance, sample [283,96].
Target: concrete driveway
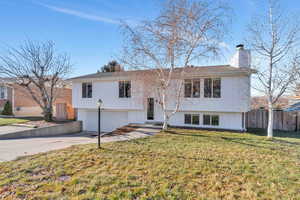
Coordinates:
[10,149]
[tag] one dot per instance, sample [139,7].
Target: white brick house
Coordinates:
[213,97]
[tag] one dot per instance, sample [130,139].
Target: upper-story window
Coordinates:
[87,90]
[2,92]
[212,87]
[192,88]
[124,89]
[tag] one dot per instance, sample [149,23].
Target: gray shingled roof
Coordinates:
[202,69]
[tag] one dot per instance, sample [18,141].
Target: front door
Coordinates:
[150,109]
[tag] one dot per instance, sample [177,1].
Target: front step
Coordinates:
[146,125]
[157,123]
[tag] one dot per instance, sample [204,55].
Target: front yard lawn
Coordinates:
[7,121]
[180,164]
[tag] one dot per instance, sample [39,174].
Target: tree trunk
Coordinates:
[165,124]
[48,114]
[270,121]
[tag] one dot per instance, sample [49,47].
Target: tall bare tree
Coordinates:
[185,31]
[274,38]
[36,67]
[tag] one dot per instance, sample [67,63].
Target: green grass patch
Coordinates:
[180,164]
[7,121]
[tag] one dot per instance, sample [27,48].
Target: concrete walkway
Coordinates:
[12,148]
[12,129]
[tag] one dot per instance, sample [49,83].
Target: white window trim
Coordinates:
[5,92]
[86,89]
[212,88]
[124,81]
[192,88]
[210,120]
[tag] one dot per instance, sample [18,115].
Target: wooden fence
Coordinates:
[286,121]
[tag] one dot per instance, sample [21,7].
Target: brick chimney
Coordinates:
[242,57]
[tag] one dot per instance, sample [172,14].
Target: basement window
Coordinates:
[211,120]
[191,119]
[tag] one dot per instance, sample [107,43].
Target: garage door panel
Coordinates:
[110,120]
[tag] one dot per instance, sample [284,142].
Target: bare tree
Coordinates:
[274,38]
[185,31]
[38,69]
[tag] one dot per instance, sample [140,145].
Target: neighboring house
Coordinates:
[213,97]
[261,102]
[24,105]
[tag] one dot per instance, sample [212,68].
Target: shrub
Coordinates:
[7,109]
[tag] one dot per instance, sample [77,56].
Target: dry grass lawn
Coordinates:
[7,121]
[180,164]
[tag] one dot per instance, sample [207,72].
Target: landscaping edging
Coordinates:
[60,129]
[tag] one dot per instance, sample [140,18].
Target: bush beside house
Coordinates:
[7,110]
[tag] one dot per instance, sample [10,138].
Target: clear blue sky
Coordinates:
[88,30]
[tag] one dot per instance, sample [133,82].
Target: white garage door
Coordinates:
[110,120]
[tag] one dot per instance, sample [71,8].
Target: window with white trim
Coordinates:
[212,88]
[124,89]
[2,92]
[87,90]
[211,120]
[192,88]
[193,119]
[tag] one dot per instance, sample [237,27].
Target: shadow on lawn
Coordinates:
[187,134]
[281,134]
[152,155]
[265,144]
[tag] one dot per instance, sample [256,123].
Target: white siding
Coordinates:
[108,91]
[235,99]
[232,121]
[110,120]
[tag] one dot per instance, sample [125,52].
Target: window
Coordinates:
[187,88]
[87,90]
[206,119]
[196,88]
[212,120]
[216,88]
[192,88]
[2,92]
[188,119]
[207,87]
[124,89]
[195,119]
[212,88]
[215,120]
[191,119]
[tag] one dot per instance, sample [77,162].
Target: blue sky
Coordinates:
[88,30]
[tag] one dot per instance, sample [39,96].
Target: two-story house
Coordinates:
[213,97]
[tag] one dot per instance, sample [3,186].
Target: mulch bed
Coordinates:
[120,131]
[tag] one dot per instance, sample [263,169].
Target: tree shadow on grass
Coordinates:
[280,134]
[152,155]
[187,134]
